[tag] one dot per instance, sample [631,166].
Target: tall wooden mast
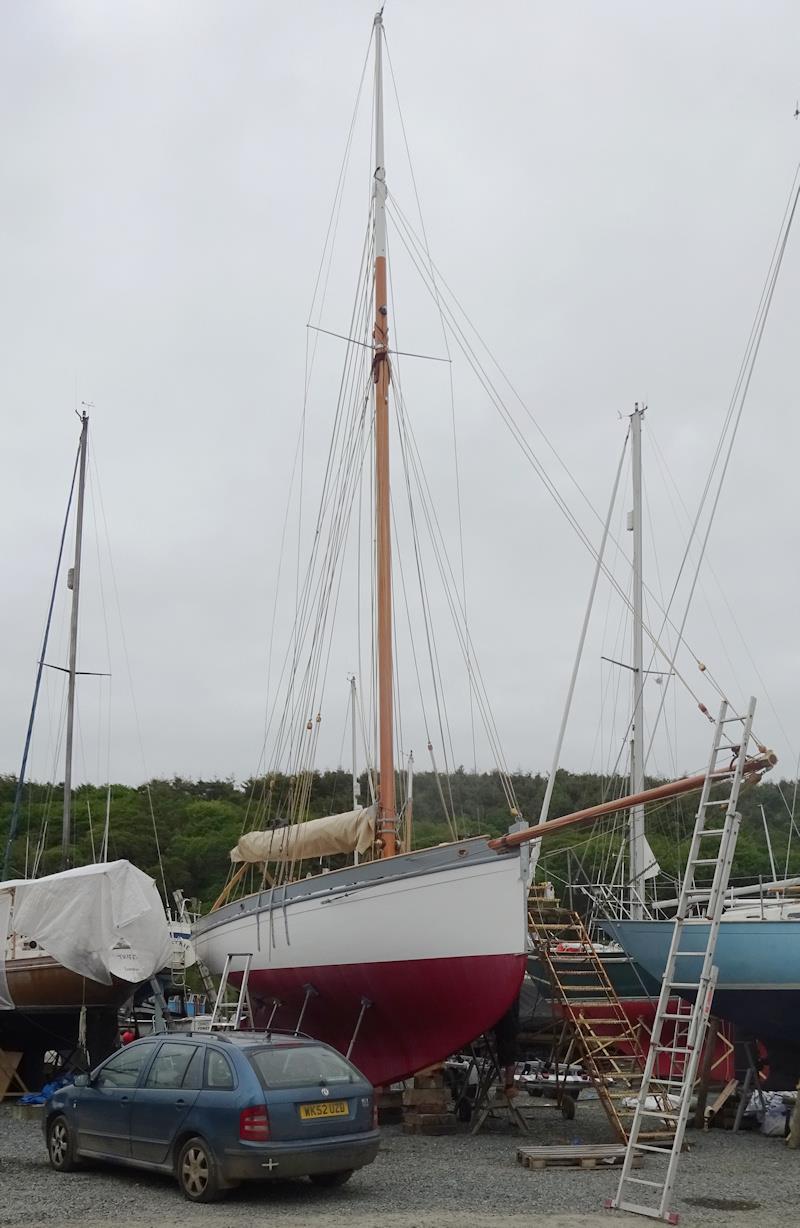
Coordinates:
[387,823]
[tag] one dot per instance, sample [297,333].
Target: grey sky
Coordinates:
[601,185]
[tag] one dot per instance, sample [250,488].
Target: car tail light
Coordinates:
[254,1124]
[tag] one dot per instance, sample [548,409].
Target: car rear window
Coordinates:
[301,1066]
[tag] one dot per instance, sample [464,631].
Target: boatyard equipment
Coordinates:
[588,1156]
[606,1044]
[694,940]
[9,1076]
[494,1096]
[229,1015]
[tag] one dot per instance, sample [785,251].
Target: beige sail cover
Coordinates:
[352,832]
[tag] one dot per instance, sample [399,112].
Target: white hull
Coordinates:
[471,908]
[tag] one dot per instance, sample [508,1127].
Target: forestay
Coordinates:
[352,832]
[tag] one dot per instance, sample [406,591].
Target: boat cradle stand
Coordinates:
[230,1015]
[493,1098]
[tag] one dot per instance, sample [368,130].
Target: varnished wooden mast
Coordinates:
[387,823]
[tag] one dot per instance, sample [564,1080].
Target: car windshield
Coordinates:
[300,1066]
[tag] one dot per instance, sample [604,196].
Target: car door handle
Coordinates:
[180,1104]
[124,1099]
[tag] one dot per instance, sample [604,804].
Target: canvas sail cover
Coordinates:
[99,921]
[352,832]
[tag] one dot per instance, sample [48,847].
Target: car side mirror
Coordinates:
[82,1080]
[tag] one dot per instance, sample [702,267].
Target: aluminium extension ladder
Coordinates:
[668,1099]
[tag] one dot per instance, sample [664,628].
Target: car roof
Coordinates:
[242,1039]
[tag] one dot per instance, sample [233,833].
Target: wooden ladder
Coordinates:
[606,1044]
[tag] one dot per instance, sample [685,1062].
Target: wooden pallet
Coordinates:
[594,1156]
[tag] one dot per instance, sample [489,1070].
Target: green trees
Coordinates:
[196,822]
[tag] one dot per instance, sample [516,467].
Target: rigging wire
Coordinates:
[15,808]
[446,341]
[129,673]
[409,239]
[736,409]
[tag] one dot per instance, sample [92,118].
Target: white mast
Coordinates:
[636,838]
[387,820]
[74,583]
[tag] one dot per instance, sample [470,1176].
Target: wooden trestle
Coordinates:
[607,1044]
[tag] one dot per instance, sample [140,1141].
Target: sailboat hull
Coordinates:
[42,984]
[758,987]
[433,941]
[422,1010]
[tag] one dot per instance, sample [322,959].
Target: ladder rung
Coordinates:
[661,1151]
[683,1018]
[656,1185]
[713,831]
[704,861]
[666,1115]
[702,954]
[673,1049]
[684,985]
[550,925]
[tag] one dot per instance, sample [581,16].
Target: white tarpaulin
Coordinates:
[95,920]
[352,832]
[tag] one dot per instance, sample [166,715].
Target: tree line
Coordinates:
[193,824]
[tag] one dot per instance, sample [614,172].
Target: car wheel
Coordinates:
[198,1174]
[60,1147]
[330,1181]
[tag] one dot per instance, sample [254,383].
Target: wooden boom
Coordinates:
[753,769]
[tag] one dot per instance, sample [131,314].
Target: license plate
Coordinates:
[328,1108]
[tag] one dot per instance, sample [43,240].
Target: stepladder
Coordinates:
[689,976]
[232,1007]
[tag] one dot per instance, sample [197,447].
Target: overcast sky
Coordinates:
[601,185]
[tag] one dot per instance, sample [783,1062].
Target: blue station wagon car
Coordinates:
[216,1109]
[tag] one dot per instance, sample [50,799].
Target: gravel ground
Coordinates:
[416,1182]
